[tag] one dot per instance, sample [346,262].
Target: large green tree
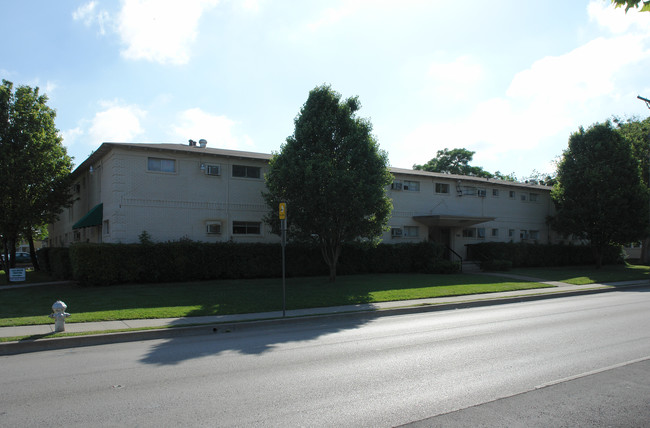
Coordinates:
[599,194]
[332,176]
[455,161]
[637,133]
[34,166]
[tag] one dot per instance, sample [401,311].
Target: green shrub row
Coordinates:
[494,255]
[106,264]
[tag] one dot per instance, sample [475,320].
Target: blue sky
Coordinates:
[510,80]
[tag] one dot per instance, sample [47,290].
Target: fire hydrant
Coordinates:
[59,314]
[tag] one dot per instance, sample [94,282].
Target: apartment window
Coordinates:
[412,186]
[511,233]
[533,197]
[161,165]
[396,185]
[396,232]
[213,228]
[495,193]
[523,197]
[482,193]
[480,233]
[106,227]
[533,234]
[411,231]
[495,233]
[523,234]
[246,171]
[469,233]
[213,170]
[246,228]
[442,188]
[77,236]
[511,194]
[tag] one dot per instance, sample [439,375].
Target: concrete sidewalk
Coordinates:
[127,330]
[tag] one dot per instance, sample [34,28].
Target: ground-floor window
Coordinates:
[246,228]
[411,231]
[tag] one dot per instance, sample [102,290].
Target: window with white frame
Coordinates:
[411,231]
[442,188]
[246,228]
[495,193]
[161,165]
[523,197]
[213,227]
[511,233]
[213,170]
[411,186]
[511,194]
[480,233]
[482,193]
[533,197]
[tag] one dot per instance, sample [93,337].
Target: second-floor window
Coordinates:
[161,165]
[246,171]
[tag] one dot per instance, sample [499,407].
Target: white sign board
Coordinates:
[16,274]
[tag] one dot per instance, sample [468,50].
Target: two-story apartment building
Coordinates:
[176,191]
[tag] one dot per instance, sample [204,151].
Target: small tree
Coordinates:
[455,161]
[34,166]
[598,193]
[332,175]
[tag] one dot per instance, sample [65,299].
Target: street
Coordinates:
[346,371]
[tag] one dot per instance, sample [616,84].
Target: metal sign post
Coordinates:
[283,228]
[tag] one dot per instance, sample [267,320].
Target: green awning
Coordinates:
[93,217]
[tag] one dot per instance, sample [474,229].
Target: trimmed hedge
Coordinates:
[521,254]
[106,264]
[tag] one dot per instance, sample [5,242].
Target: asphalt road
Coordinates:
[573,357]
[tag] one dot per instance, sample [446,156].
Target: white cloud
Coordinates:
[456,79]
[217,130]
[89,15]
[160,30]
[615,19]
[117,123]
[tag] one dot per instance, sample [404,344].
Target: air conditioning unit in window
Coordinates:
[396,186]
[396,232]
[213,170]
[214,228]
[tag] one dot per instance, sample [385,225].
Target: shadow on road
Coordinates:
[251,338]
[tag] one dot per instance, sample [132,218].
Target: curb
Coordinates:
[45,344]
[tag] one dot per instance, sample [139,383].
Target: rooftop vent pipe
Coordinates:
[203,142]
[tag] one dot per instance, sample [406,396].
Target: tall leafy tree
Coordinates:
[637,132]
[455,161]
[332,176]
[34,166]
[599,193]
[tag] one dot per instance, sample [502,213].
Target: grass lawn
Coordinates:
[581,275]
[31,305]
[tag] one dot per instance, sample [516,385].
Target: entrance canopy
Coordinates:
[92,218]
[450,221]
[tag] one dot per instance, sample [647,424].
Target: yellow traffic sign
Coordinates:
[283,210]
